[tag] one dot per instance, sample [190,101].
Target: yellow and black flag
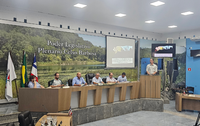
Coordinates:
[24,77]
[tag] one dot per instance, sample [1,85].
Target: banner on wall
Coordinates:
[56,51]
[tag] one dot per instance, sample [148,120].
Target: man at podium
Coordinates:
[151,68]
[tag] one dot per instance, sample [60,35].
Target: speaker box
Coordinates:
[160,64]
[175,64]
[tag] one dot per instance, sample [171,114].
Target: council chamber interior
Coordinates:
[92,63]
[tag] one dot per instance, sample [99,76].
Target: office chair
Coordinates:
[104,80]
[197,121]
[49,83]
[26,84]
[89,77]
[25,119]
[70,82]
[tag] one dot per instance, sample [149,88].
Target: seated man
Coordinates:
[111,79]
[56,82]
[78,80]
[151,68]
[97,79]
[122,78]
[33,83]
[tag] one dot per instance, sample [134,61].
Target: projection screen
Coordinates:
[120,52]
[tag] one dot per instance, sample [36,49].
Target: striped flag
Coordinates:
[34,68]
[70,111]
[11,75]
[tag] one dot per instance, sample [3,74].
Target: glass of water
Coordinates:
[54,120]
[43,121]
[49,118]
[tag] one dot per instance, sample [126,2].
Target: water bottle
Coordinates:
[67,84]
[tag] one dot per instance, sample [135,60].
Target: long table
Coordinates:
[55,100]
[187,102]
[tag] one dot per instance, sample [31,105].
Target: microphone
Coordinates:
[45,108]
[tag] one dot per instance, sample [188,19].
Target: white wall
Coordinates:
[176,35]
[55,20]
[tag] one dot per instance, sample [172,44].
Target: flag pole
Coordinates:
[15,82]
[16,90]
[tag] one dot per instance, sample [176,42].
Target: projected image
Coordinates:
[122,48]
[120,52]
[163,50]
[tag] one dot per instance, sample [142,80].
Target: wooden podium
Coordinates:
[150,86]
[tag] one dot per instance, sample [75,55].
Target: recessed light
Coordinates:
[120,15]
[187,13]
[80,5]
[150,21]
[172,26]
[157,3]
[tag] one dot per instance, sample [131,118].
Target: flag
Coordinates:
[70,111]
[11,75]
[34,68]
[24,77]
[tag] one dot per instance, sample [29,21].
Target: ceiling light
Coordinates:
[80,5]
[158,3]
[187,13]
[150,21]
[120,15]
[172,26]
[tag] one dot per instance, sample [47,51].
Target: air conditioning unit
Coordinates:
[195,39]
[170,40]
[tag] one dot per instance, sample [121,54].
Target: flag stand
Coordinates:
[16,90]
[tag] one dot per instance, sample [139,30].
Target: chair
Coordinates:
[190,90]
[70,82]
[89,77]
[104,80]
[197,121]
[25,119]
[49,83]
[26,84]
[10,124]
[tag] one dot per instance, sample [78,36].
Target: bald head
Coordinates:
[79,75]
[97,75]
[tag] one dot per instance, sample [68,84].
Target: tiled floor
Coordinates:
[170,117]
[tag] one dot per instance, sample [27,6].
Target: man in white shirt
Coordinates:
[151,68]
[97,79]
[111,79]
[56,82]
[122,78]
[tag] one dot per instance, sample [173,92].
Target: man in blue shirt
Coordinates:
[122,78]
[33,83]
[78,80]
